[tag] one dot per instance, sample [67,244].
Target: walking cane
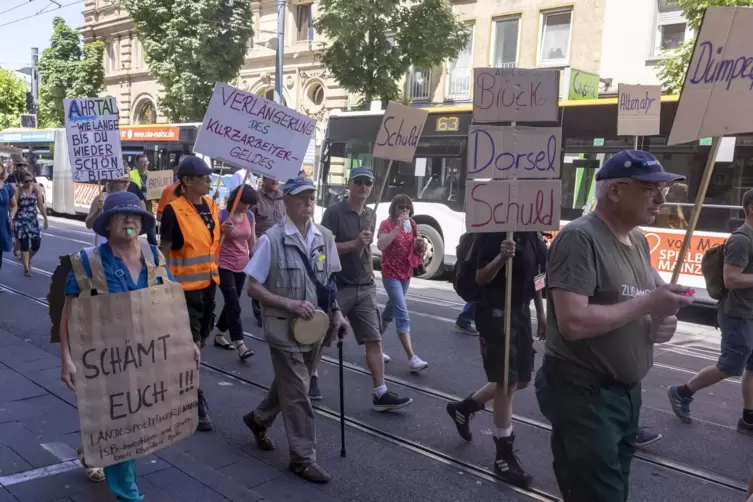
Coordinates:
[342,399]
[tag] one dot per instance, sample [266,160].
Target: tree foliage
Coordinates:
[190,45]
[393,36]
[12,99]
[67,70]
[674,65]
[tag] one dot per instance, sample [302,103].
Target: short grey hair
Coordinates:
[602,186]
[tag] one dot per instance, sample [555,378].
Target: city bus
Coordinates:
[435,180]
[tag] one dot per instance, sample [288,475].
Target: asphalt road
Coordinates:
[416,454]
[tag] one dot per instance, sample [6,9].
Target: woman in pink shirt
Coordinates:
[402,250]
[238,240]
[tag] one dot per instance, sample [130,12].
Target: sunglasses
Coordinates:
[208,179]
[363,181]
[403,207]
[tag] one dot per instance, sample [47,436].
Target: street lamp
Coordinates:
[278,45]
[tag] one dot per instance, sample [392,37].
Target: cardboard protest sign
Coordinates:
[136,377]
[513,205]
[717,97]
[399,132]
[156,181]
[514,152]
[515,95]
[638,110]
[92,130]
[247,131]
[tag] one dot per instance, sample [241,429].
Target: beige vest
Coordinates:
[288,278]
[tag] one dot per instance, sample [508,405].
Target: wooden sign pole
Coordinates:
[379,195]
[508,306]
[235,202]
[699,198]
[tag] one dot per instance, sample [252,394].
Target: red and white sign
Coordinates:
[84,194]
[513,205]
[150,133]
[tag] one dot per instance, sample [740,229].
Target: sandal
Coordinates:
[95,474]
[220,341]
[27,274]
[244,352]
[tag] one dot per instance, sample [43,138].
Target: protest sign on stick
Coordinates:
[514,152]
[156,182]
[247,131]
[136,373]
[638,110]
[92,131]
[515,95]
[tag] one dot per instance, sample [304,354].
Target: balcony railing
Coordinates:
[458,85]
[506,65]
[419,84]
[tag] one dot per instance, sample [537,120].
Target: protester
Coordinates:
[402,250]
[139,176]
[7,208]
[464,322]
[168,194]
[287,294]
[190,238]
[25,219]
[270,210]
[492,253]
[97,205]
[123,262]
[735,318]
[607,307]
[352,224]
[238,239]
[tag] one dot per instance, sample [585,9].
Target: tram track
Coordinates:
[481,472]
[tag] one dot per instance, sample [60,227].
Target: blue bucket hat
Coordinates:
[123,203]
[361,172]
[294,186]
[638,165]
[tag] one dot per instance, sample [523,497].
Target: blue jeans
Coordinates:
[396,307]
[465,319]
[121,480]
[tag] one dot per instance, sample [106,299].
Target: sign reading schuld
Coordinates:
[399,132]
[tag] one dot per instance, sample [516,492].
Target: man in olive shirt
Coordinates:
[607,307]
[735,317]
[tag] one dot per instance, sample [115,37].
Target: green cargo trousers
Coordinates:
[594,426]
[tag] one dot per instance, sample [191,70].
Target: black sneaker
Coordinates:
[311,472]
[263,441]
[744,427]
[205,423]
[507,465]
[646,437]
[461,412]
[314,393]
[390,402]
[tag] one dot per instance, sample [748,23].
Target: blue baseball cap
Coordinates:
[294,186]
[638,165]
[190,165]
[361,171]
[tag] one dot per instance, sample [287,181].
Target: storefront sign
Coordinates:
[399,132]
[150,133]
[247,131]
[92,130]
[638,110]
[513,205]
[156,182]
[717,97]
[514,152]
[582,85]
[515,95]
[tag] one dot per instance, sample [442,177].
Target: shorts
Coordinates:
[29,244]
[359,306]
[490,324]
[737,344]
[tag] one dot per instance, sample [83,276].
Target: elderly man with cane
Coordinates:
[291,276]
[607,308]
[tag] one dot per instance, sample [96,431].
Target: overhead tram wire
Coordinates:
[22,4]
[41,13]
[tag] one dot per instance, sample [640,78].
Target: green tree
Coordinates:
[394,35]
[673,67]
[66,70]
[12,99]
[189,46]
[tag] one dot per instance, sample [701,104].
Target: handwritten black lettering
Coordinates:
[398,138]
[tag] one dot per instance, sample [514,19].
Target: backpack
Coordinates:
[56,296]
[464,281]
[712,268]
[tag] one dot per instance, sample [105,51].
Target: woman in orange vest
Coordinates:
[190,238]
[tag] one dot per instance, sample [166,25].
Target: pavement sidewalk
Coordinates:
[39,433]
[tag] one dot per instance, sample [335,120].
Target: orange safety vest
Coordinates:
[194,265]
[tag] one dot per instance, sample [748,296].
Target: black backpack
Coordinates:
[56,296]
[464,281]
[712,268]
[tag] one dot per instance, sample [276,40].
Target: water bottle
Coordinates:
[407,227]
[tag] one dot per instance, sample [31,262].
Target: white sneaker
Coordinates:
[417,364]
[385,358]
